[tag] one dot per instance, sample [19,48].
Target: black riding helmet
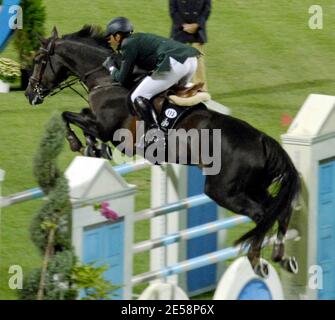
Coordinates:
[119,24]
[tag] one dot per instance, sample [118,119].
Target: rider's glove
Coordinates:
[109,64]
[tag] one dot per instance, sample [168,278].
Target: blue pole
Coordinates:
[172,207]
[191,233]
[204,260]
[37,193]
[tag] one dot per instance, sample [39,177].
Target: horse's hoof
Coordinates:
[262,269]
[74,142]
[92,151]
[106,152]
[290,264]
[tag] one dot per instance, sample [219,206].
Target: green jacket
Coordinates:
[150,52]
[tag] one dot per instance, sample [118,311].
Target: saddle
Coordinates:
[190,96]
[182,96]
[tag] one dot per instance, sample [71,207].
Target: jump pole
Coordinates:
[203,260]
[187,234]
[191,233]
[37,193]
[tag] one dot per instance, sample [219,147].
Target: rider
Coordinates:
[172,63]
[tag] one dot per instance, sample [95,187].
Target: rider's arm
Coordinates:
[129,54]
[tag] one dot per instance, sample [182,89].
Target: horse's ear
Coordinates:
[54,33]
[41,39]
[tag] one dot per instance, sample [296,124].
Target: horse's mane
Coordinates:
[89,34]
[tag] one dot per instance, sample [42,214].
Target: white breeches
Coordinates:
[159,82]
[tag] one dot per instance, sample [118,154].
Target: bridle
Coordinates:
[36,81]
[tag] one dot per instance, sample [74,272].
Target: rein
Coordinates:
[69,84]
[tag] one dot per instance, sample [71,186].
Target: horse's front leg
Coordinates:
[71,137]
[85,121]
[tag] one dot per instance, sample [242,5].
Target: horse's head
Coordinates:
[48,70]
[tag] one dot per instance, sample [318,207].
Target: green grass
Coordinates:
[262,62]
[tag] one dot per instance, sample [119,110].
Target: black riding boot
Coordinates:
[148,114]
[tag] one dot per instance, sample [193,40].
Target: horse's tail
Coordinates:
[278,167]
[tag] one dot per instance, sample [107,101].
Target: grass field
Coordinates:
[262,62]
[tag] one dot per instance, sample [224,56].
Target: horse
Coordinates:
[251,160]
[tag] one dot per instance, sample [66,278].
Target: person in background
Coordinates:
[189,19]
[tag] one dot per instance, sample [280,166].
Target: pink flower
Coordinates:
[104,205]
[107,212]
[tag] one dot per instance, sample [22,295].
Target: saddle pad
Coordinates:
[171,114]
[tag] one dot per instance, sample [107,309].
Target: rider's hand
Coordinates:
[109,64]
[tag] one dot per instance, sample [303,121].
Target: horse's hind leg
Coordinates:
[288,263]
[254,256]
[240,203]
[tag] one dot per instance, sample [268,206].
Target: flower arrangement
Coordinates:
[9,70]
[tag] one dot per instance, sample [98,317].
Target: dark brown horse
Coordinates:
[251,160]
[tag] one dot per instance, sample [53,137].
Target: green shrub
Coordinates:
[58,280]
[61,277]
[54,218]
[26,40]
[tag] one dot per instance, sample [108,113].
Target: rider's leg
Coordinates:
[159,82]
[149,87]
[146,112]
[191,64]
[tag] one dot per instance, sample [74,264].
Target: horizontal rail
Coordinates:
[190,233]
[23,196]
[133,166]
[37,193]
[186,203]
[202,261]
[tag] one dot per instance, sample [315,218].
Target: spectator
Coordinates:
[189,19]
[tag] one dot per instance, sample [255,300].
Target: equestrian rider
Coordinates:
[172,63]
